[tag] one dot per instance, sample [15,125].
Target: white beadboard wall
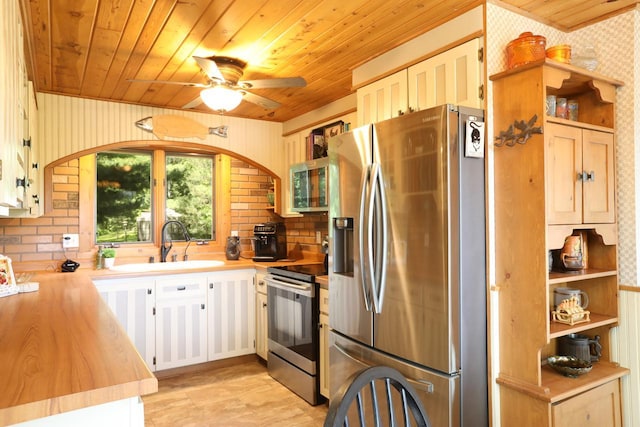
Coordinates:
[69,125]
[616,41]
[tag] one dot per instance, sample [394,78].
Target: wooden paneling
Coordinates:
[90,48]
[71,125]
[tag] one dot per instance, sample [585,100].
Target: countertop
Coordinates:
[63,349]
[228,265]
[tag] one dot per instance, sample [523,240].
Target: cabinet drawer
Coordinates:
[324,301]
[599,407]
[181,287]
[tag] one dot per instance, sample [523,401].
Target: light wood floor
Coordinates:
[242,394]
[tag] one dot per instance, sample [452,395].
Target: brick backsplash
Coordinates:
[38,240]
[249,188]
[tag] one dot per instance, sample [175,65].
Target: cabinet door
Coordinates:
[599,407]
[132,302]
[295,151]
[452,77]
[181,321]
[324,356]
[598,188]
[564,164]
[261,325]
[35,171]
[231,316]
[383,99]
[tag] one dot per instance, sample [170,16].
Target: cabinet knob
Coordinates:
[585,176]
[264,304]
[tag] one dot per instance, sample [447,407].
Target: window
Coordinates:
[125,203]
[123,197]
[189,197]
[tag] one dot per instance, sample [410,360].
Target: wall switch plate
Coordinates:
[70,240]
[234,233]
[318,237]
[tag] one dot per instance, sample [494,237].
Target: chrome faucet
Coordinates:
[164,249]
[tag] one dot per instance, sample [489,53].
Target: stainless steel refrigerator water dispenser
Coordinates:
[343,245]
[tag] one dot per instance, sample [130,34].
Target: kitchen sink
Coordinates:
[163,266]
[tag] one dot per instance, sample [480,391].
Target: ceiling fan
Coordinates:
[225,90]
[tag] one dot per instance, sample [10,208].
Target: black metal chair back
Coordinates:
[376,396]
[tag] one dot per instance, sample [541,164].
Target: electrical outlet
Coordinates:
[234,233]
[70,240]
[318,237]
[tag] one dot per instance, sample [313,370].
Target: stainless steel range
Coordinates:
[293,336]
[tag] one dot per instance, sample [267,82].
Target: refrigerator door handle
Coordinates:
[421,385]
[364,192]
[348,356]
[380,206]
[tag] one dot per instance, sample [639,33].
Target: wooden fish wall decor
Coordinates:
[178,127]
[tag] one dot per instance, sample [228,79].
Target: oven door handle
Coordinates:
[304,289]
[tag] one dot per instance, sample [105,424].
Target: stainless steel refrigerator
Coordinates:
[407,282]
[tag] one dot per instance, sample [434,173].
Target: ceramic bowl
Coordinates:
[569,366]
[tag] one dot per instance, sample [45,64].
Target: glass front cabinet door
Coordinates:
[309,186]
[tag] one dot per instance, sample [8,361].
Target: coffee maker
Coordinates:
[270,241]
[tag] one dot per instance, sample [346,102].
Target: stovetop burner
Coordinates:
[304,272]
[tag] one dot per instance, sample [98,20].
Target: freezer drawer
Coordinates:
[440,394]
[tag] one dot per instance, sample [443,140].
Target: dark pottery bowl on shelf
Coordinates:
[569,366]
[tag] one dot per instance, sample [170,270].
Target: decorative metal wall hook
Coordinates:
[510,137]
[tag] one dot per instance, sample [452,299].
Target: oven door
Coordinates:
[293,321]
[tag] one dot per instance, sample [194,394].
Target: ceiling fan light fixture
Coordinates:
[221,98]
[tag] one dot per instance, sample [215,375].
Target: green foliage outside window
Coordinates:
[190,195]
[124,196]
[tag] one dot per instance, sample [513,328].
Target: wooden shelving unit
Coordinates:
[539,202]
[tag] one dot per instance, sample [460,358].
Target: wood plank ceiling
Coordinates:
[92,48]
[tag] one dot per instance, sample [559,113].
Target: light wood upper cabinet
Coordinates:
[383,99]
[598,195]
[580,175]
[452,77]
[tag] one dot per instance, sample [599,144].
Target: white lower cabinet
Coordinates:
[181,321]
[231,314]
[324,343]
[184,319]
[133,303]
[261,315]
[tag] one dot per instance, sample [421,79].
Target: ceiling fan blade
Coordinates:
[274,83]
[210,68]
[193,103]
[260,100]
[166,82]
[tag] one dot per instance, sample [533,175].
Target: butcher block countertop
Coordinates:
[62,349]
